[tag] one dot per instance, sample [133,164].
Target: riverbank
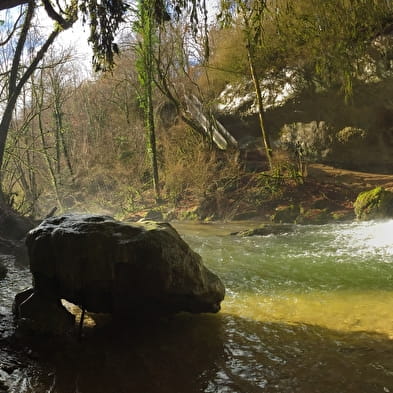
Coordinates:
[326,194]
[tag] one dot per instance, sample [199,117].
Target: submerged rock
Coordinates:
[107,266]
[266,230]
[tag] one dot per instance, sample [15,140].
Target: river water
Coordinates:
[308,311]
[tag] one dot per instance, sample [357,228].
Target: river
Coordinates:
[308,311]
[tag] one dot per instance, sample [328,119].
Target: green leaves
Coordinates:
[105,18]
[330,37]
[326,40]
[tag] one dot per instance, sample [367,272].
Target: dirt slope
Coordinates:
[358,180]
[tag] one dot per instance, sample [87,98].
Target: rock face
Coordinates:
[39,314]
[104,265]
[3,271]
[356,136]
[374,204]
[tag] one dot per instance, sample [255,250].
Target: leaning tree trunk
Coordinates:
[257,87]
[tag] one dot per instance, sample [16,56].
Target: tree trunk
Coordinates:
[14,94]
[145,71]
[38,96]
[152,142]
[258,92]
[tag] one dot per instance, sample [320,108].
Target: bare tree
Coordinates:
[21,69]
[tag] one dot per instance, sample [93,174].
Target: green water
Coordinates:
[309,311]
[339,277]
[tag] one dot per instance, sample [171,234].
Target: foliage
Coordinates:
[228,59]
[105,17]
[98,125]
[103,135]
[333,36]
[328,41]
[191,170]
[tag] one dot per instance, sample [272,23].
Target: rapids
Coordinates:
[308,311]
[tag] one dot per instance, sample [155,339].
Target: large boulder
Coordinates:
[374,204]
[104,265]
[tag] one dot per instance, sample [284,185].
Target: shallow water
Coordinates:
[307,311]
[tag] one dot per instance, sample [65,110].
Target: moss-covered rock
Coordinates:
[286,214]
[374,204]
[314,216]
[191,214]
[154,215]
[343,215]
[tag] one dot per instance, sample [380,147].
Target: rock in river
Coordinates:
[104,265]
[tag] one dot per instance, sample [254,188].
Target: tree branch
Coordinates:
[65,24]
[19,48]
[5,4]
[12,31]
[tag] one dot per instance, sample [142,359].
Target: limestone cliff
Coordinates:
[357,134]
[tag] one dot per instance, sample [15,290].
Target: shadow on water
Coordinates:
[210,353]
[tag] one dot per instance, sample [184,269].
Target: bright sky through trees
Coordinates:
[77,36]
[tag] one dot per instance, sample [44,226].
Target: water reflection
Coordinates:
[176,355]
[223,353]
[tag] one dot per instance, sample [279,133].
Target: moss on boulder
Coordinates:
[314,216]
[374,204]
[286,214]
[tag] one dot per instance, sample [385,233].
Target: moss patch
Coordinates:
[374,204]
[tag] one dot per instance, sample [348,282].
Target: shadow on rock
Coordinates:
[172,355]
